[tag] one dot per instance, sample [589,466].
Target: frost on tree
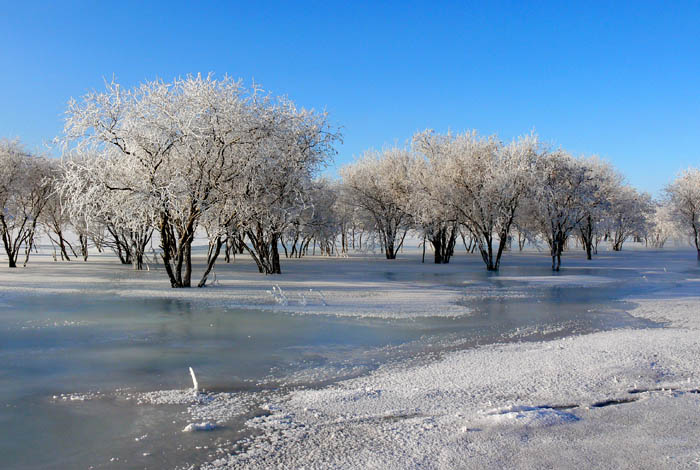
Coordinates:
[661,225]
[594,225]
[320,221]
[277,186]
[170,156]
[112,219]
[480,182]
[437,223]
[565,190]
[24,189]
[683,196]
[379,185]
[628,215]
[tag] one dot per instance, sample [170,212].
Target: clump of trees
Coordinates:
[379,184]
[445,185]
[25,186]
[173,157]
[165,162]
[474,182]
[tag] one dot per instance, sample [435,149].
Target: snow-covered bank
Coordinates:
[542,405]
[616,399]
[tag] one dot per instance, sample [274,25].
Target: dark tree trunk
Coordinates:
[587,237]
[264,250]
[443,240]
[62,245]
[556,250]
[286,253]
[28,246]
[177,250]
[213,253]
[83,239]
[12,246]
[121,246]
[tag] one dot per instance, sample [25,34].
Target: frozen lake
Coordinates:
[73,367]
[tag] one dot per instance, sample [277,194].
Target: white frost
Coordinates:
[195,385]
[205,426]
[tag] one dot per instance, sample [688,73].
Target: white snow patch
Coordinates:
[205,426]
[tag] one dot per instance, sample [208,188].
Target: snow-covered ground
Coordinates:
[627,398]
[616,399]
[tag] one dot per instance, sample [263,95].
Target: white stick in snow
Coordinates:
[194,381]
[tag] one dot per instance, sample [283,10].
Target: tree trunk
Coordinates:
[286,253]
[276,268]
[264,250]
[62,245]
[28,248]
[587,237]
[557,248]
[214,250]
[389,250]
[177,250]
[437,241]
[83,239]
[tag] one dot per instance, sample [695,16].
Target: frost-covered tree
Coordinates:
[683,196]
[321,223]
[378,183]
[438,223]
[661,226]
[354,222]
[115,218]
[177,150]
[628,215]
[24,190]
[565,189]
[55,217]
[595,223]
[482,182]
[525,228]
[278,176]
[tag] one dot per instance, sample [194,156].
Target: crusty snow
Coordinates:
[523,405]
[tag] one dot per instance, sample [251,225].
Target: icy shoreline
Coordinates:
[617,399]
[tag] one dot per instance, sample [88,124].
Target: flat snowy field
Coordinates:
[627,398]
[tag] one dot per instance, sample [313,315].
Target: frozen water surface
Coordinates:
[89,380]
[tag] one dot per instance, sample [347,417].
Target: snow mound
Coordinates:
[532,416]
[201,406]
[220,407]
[205,426]
[165,397]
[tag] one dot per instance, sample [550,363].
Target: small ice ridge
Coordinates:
[205,426]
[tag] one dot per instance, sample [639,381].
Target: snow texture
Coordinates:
[616,399]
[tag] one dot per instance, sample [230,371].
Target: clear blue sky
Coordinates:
[621,80]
